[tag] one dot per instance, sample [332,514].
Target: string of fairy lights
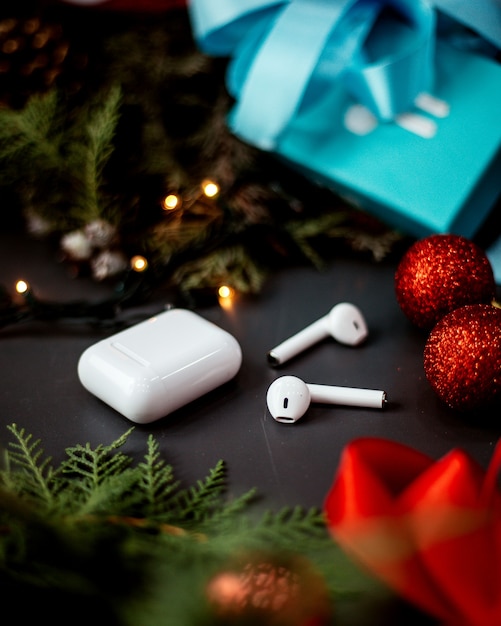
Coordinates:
[173,202]
[130,289]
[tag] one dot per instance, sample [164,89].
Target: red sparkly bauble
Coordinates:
[462,356]
[439,274]
[270,590]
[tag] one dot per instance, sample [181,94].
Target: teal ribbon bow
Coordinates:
[286,56]
[480,16]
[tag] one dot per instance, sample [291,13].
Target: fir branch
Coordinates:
[29,139]
[101,128]
[88,550]
[100,478]
[196,504]
[305,231]
[96,465]
[153,120]
[156,481]
[36,481]
[48,151]
[296,524]
[188,229]
[231,265]
[233,508]
[379,244]
[88,147]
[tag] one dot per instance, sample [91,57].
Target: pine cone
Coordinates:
[35,55]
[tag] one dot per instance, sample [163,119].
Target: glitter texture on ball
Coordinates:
[439,274]
[462,357]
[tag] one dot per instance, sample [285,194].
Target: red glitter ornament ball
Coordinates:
[439,274]
[280,590]
[462,356]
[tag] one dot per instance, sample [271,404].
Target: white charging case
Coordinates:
[159,365]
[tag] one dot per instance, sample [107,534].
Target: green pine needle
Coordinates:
[31,135]
[197,503]
[34,476]
[231,265]
[61,154]
[156,481]
[99,479]
[128,541]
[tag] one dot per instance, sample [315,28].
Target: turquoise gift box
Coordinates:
[436,169]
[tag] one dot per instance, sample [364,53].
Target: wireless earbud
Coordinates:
[288,398]
[344,322]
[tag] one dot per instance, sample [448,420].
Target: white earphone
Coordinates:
[288,397]
[344,322]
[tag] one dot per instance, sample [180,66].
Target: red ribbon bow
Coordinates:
[430,529]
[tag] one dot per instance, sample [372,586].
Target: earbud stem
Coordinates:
[348,396]
[302,340]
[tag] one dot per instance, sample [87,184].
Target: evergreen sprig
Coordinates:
[28,135]
[54,157]
[100,478]
[130,543]
[156,481]
[151,121]
[35,476]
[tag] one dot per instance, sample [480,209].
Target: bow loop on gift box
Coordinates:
[430,529]
[289,54]
[219,25]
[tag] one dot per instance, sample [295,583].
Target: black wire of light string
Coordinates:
[132,289]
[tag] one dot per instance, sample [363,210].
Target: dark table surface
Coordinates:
[289,464]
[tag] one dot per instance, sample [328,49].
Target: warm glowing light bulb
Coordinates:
[138,263]
[22,286]
[171,202]
[225,292]
[210,188]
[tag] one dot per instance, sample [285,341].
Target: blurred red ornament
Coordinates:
[269,589]
[462,356]
[430,529]
[439,274]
